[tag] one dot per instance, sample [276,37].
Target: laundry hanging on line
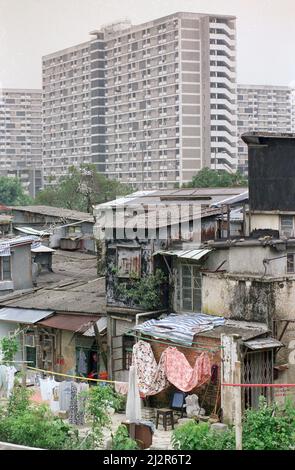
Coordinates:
[151,376]
[173,368]
[181,374]
[7,375]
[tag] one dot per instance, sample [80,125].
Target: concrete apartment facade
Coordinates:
[150,104]
[21,137]
[264,108]
[66,110]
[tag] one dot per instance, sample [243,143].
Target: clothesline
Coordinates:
[71,376]
[149,339]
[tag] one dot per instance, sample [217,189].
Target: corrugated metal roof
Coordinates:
[55,212]
[186,254]
[180,328]
[242,197]
[101,325]
[42,249]
[75,323]
[263,343]
[32,231]
[23,315]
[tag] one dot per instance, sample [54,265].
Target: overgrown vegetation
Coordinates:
[34,425]
[101,403]
[200,436]
[12,192]
[8,348]
[145,292]
[122,441]
[209,178]
[81,189]
[270,427]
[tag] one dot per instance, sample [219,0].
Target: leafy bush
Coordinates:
[122,441]
[34,425]
[100,404]
[9,347]
[270,427]
[144,292]
[194,436]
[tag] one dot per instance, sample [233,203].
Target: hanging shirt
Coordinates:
[65,395]
[82,362]
[6,380]
[54,400]
[46,387]
[11,370]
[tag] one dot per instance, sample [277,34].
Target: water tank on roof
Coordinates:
[271,163]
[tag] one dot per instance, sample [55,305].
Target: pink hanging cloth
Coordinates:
[181,374]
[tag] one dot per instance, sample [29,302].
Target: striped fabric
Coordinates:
[180,328]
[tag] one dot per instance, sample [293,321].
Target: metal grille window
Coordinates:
[5,268]
[257,369]
[287,225]
[290,263]
[191,285]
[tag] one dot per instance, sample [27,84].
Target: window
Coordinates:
[128,342]
[191,285]
[74,229]
[128,261]
[5,268]
[290,263]
[287,228]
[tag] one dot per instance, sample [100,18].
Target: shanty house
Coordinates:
[67,229]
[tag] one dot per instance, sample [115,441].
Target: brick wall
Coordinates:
[206,393]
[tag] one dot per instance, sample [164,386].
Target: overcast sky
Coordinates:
[32,28]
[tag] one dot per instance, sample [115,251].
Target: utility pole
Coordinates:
[238,406]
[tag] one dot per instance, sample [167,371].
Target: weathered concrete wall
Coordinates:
[249,260]
[215,258]
[258,300]
[238,298]
[21,267]
[230,354]
[264,221]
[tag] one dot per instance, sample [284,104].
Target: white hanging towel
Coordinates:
[133,405]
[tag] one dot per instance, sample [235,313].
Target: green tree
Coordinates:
[81,189]
[12,192]
[208,178]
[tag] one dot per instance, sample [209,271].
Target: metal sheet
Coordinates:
[180,328]
[42,249]
[75,323]
[186,254]
[24,315]
[263,343]
[101,325]
[32,231]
